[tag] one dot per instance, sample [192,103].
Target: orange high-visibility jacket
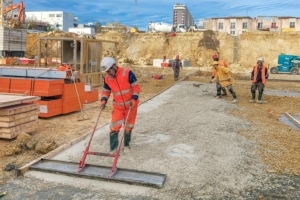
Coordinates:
[263,74]
[121,88]
[221,63]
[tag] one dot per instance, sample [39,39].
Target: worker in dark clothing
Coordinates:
[259,76]
[176,67]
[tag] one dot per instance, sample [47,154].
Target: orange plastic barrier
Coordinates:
[47,88]
[49,107]
[4,84]
[91,96]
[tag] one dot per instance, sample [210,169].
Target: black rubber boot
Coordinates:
[224,91]
[127,138]
[113,140]
[259,96]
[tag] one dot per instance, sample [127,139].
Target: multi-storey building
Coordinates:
[232,25]
[182,15]
[277,23]
[59,20]
[237,25]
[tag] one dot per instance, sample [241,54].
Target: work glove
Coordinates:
[103,104]
[133,103]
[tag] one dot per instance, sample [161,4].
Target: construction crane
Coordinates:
[8,7]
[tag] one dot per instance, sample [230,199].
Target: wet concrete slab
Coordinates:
[284,119]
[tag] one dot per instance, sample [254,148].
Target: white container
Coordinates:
[186,63]
[157,62]
[88,88]
[83,31]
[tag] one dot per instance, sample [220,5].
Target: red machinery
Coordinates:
[21,13]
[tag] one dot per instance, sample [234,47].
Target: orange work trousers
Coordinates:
[119,115]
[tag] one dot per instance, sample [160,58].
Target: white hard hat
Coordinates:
[107,63]
[260,59]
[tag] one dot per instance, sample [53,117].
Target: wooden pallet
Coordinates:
[12,132]
[18,118]
[19,121]
[16,109]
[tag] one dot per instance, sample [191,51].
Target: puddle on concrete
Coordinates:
[288,122]
[284,93]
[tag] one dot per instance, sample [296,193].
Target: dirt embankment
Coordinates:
[199,46]
[194,46]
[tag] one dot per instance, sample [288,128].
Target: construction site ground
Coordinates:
[209,148]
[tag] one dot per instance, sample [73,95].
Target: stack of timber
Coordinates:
[16,115]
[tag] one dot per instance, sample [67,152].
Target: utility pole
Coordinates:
[135,13]
[1,12]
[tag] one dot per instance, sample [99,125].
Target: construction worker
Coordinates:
[215,57]
[259,78]
[176,67]
[223,76]
[123,84]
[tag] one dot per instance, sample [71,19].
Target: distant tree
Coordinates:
[116,23]
[49,27]
[29,26]
[98,27]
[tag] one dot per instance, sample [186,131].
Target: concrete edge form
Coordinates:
[134,177]
[295,121]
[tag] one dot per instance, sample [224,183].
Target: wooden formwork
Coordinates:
[82,53]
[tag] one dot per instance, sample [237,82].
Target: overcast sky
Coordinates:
[130,13]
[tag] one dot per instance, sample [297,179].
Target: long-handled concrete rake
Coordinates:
[106,173]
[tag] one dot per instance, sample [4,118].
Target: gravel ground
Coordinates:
[190,136]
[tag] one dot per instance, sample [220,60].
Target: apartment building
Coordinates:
[277,23]
[59,20]
[182,15]
[237,25]
[232,25]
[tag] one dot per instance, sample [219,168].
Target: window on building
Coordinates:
[245,25]
[51,15]
[273,25]
[232,32]
[232,25]
[260,25]
[58,15]
[292,25]
[220,25]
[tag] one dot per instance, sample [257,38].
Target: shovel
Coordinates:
[206,90]
[197,85]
